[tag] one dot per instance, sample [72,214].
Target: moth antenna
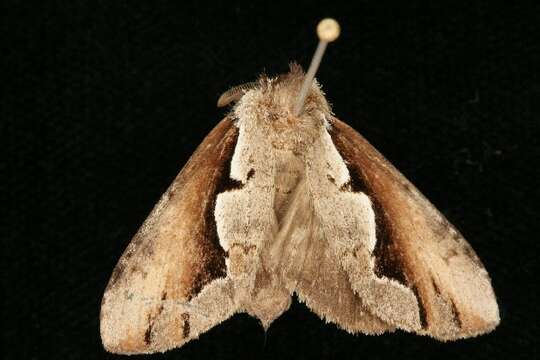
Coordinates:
[327,30]
[235,93]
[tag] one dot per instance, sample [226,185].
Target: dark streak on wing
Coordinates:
[185,325]
[214,254]
[456,314]
[151,318]
[421,308]
[117,273]
[148,332]
[387,260]
[435,286]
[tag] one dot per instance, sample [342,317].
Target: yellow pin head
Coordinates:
[328,30]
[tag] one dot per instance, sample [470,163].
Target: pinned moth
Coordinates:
[283,198]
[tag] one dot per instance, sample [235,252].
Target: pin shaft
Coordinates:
[308,79]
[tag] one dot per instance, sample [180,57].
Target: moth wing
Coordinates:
[312,270]
[417,246]
[326,290]
[159,295]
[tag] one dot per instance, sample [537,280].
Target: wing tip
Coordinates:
[113,343]
[118,340]
[463,333]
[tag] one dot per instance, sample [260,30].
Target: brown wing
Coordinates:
[173,256]
[417,246]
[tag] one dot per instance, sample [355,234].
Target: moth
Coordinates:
[275,203]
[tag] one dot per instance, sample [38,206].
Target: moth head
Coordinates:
[268,106]
[276,97]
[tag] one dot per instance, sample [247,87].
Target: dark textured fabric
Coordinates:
[103,103]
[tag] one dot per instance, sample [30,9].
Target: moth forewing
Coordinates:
[419,248]
[152,301]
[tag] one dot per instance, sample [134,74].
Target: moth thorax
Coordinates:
[289,170]
[292,133]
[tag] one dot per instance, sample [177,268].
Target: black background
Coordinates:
[106,101]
